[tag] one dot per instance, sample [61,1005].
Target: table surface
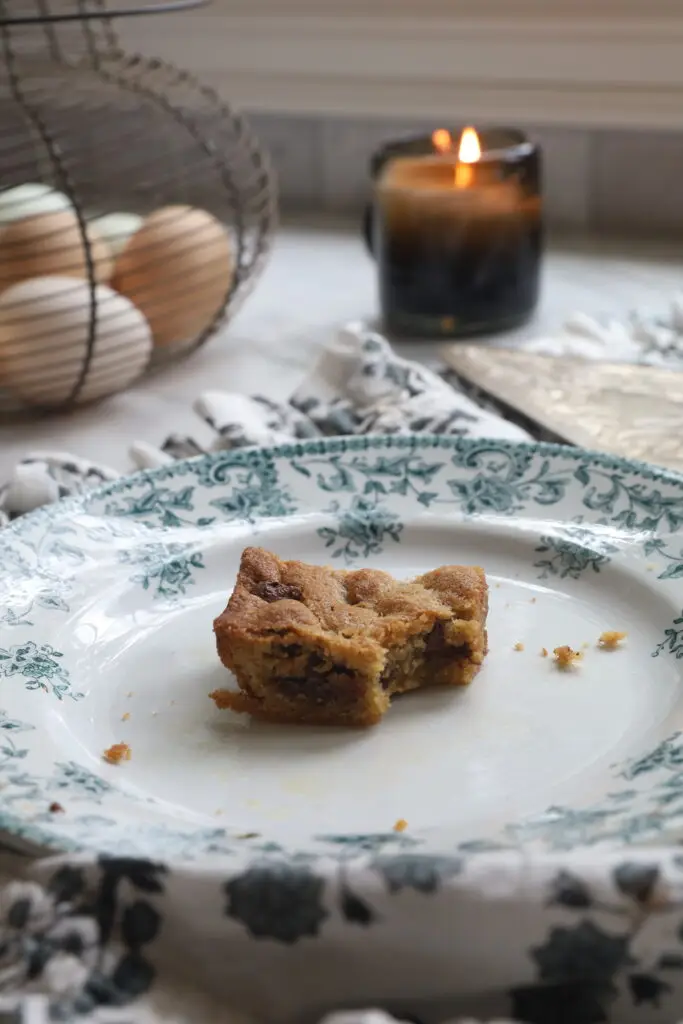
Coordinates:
[319,277]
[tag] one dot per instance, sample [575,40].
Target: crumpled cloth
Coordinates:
[358,386]
[646,337]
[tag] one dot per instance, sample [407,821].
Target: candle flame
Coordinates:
[468,153]
[470,147]
[442,141]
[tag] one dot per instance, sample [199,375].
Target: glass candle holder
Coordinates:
[458,242]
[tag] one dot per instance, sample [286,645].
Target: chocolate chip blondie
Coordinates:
[324,646]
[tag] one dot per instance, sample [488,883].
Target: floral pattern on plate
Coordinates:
[591,507]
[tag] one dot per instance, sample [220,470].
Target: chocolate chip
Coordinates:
[436,641]
[341,686]
[271,591]
[298,686]
[462,650]
[438,646]
[290,650]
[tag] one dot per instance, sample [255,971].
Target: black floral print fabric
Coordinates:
[359,386]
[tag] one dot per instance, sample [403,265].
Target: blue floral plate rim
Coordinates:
[466,451]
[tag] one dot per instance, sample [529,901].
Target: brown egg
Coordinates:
[177,269]
[50,243]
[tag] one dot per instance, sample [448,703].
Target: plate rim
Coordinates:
[352,442]
[39,840]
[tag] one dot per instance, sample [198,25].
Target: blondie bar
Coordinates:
[324,646]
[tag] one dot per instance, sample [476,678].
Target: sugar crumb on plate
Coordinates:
[566,657]
[401,825]
[125,717]
[610,639]
[117,753]
[519,646]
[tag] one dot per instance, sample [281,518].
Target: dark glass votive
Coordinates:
[458,247]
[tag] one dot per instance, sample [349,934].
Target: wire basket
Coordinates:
[136,208]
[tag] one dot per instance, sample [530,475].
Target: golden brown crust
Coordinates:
[364,604]
[335,644]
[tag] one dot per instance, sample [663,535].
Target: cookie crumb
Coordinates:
[55,808]
[519,646]
[610,639]
[130,693]
[116,753]
[544,652]
[565,657]
[533,600]
[401,825]
[124,718]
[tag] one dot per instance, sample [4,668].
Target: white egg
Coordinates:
[28,200]
[116,229]
[44,333]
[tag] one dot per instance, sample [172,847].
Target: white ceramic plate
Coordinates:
[106,609]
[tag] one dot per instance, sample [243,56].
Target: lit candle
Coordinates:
[469,153]
[458,235]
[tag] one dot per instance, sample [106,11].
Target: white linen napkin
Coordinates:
[358,386]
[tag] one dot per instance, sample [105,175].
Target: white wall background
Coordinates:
[578,63]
